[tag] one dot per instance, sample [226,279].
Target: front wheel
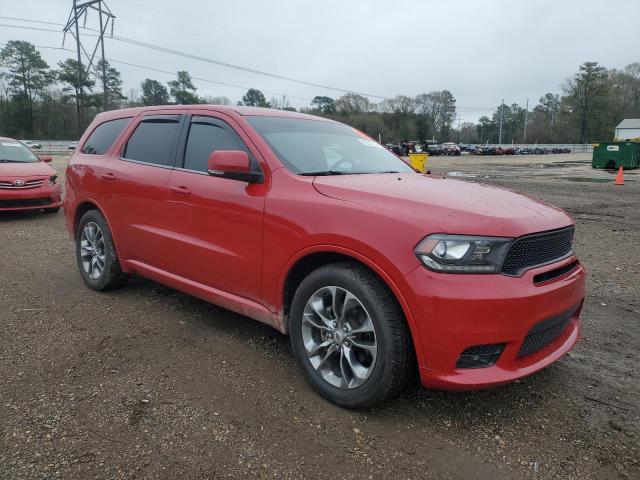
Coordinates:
[349,336]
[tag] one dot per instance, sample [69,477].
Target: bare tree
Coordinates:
[353,103]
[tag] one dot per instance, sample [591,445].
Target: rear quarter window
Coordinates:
[104,135]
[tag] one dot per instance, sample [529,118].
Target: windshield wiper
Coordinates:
[323,173]
[6,160]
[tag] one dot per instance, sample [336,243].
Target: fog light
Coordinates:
[480,356]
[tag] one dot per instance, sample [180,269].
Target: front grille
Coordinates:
[27,184]
[537,249]
[34,202]
[558,272]
[545,332]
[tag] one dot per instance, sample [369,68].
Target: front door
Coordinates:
[216,222]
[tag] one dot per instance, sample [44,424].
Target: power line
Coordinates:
[195,57]
[238,67]
[24,27]
[159,48]
[154,69]
[206,80]
[31,21]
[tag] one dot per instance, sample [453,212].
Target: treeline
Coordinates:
[37,101]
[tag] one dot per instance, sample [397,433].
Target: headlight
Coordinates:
[52,179]
[462,254]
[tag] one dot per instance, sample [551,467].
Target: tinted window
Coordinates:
[153,140]
[103,136]
[207,135]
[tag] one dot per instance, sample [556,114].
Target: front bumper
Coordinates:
[455,312]
[46,196]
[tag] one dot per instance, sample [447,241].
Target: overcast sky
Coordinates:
[481,51]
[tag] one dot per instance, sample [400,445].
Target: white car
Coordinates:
[32,145]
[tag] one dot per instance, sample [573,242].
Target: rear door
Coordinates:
[134,186]
[216,222]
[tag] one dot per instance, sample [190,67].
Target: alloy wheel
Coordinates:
[339,337]
[92,250]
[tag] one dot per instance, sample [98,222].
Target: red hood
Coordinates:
[451,206]
[33,169]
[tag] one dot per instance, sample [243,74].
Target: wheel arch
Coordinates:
[312,258]
[85,206]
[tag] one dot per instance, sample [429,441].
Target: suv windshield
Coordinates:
[314,147]
[12,151]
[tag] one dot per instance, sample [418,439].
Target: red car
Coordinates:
[26,181]
[312,227]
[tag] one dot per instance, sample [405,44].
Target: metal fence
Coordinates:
[574,147]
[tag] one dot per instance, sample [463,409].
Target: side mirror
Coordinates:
[46,158]
[232,164]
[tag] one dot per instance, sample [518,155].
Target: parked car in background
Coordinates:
[31,144]
[433,149]
[467,148]
[26,181]
[451,148]
[312,227]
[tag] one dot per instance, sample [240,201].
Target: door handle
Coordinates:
[108,176]
[181,190]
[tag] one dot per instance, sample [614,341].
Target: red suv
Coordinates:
[26,182]
[312,227]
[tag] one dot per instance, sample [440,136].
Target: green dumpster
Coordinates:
[624,154]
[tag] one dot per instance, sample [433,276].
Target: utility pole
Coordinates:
[78,11]
[501,117]
[458,128]
[526,113]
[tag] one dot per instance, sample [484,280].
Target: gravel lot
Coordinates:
[146,382]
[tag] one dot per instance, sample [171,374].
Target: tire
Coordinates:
[111,275]
[51,210]
[387,373]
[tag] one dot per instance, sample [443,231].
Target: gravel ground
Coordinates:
[146,382]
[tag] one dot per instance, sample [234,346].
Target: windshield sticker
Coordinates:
[14,144]
[370,143]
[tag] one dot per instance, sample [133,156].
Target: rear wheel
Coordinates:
[349,336]
[96,254]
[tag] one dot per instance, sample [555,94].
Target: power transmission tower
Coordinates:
[501,117]
[79,11]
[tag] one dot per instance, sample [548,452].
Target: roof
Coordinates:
[229,109]
[629,123]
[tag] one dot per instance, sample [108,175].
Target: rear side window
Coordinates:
[206,135]
[104,135]
[153,140]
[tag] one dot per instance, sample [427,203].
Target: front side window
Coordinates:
[104,135]
[207,135]
[12,151]
[153,140]
[315,147]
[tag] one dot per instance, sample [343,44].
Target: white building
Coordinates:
[628,128]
